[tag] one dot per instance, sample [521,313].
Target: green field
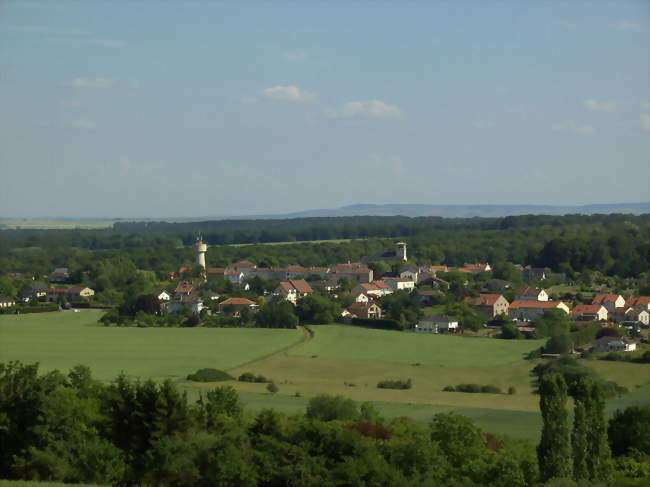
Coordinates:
[62,340]
[46,224]
[339,359]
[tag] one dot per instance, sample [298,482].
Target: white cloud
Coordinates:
[290,93]
[628,25]
[93,82]
[366,109]
[645,122]
[296,56]
[600,106]
[84,124]
[572,127]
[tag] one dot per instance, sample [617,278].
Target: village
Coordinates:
[359,289]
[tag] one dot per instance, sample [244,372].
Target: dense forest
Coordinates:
[611,244]
[72,428]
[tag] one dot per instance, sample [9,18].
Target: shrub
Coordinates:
[370,430]
[209,375]
[512,391]
[272,388]
[491,390]
[250,377]
[327,408]
[449,389]
[394,384]
[473,388]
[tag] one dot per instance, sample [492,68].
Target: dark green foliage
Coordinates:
[314,308]
[272,388]
[327,408]
[552,323]
[395,384]
[276,314]
[579,444]
[510,331]
[449,389]
[209,375]
[554,448]
[629,430]
[378,324]
[474,388]
[250,377]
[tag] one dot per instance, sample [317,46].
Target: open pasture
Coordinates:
[64,339]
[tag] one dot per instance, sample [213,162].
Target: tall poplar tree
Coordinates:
[579,445]
[554,449]
[598,453]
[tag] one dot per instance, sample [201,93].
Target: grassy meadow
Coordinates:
[339,359]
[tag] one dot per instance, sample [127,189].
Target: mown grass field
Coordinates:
[64,339]
[339,359]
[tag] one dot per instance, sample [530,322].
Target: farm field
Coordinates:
[64,339]
[339,359]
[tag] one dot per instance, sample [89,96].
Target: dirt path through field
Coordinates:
[307,334]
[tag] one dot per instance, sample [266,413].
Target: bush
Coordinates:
[449,389]
[380,324]
[209,375]
[272,388]
[512,391]
[250,377]
[473,388]
[394,384]
[490,390]
[327,408]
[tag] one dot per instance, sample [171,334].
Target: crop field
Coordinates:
[339,359]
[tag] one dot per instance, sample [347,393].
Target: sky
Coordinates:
[207,108]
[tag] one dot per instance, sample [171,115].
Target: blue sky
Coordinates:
[145,109]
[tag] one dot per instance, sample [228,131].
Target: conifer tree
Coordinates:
[554,449]
[579,446]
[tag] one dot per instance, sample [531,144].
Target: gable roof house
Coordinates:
[234,276]
[530,293]
[163,295]
[614,344]
[184,288]
[60,274]
[364,310]
[491,304]
[609,301]
[637,316]
[476,268]
[79,293]
[293,289]
[585,312]
[400,283]
[642,302]
[355,272]
[191,300]
[374,289]
[244,266]
[236,305]
[529,310]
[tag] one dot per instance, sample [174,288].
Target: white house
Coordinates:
[400,283]
[293,290]
[609,301]
[596,312]
[614,344]
[163,295]
[637,316]
[191,301]
[437,324]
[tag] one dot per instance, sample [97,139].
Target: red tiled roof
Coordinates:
[487,299]
[528,291]
[640,301]
[605,298]
[518,304]
[301,286]
[236,301]
[184,287]
[586,309]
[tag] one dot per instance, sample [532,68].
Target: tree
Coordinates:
[579,434]
[629,430]
[598,452]
[317,309]
[554,448]
[272,388]
[277,313]
[327,408]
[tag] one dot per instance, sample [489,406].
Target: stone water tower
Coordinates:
[400,251]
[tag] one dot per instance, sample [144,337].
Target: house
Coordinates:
[397,255]
[364,310]
[60,274]
[293,289]
[184,288]
[6,302]
[530,310]
[77,293]
[235,277]
[642,302]
[236,305]
[476,268]
[637,316]
[534,273]
[354,272]
[163,295]
[359,297]
[609,301]
[433,269]
[374,289]
[215,272]
[589,312]
[192,301]
[491,304]
[410,272]
[614,344]
[437,324]
[400,283]
[530,293]
[243,266]
[33,290]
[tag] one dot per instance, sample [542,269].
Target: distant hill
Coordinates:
[458,211]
